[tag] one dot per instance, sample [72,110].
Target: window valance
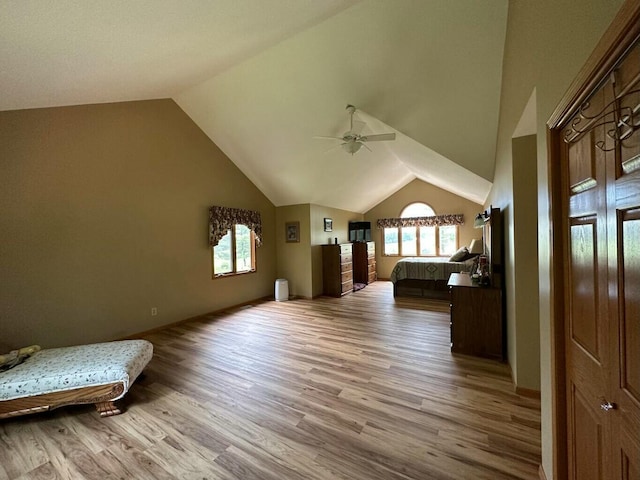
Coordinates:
[435,221]
[222,219]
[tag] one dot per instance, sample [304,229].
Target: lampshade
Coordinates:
[476,247]
[351,146]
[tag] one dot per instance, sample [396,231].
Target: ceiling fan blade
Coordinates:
[335,147]
[378,138]
[365,146]
[328,138]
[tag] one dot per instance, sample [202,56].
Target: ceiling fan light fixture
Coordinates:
[351,146]
[353,140]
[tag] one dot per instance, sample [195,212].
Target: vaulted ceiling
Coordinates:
[262,78]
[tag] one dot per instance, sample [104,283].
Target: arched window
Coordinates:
[417,209]
[423,241]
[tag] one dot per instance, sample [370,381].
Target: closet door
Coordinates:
[602,303]
[623,217]
[588,357]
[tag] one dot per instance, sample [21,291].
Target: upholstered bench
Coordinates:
[99,373]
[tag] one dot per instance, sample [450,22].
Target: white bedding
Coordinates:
[67,368]
[427,268]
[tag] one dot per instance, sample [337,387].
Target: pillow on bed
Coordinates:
[460,255]
[16,357]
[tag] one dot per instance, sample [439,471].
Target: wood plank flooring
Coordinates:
[359,388]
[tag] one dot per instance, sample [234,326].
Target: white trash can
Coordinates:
[282,290]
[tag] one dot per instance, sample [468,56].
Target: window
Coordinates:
[391,241]
[420,241]
[234,235]
[235,252]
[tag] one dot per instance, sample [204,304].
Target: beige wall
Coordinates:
[441,201]
[294,259]
[547,43]
[301,263]
[104,216]
[522,273]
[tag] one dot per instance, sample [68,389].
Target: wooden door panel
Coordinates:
[584,286]
[582,171]
[629,471]
[624,212]
[629,457]
[583,153]
[586,325]
[627,386]
[627,72]
[630,146]
[630,303]
[597,188]
[627,81]
[623,185]
[587,431]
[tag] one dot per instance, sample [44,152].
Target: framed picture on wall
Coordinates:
[328,225]
[292,232]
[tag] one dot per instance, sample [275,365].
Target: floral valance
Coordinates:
[435,221]
[222,219]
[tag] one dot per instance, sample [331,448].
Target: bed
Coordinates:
[428,276]
[425,276]
[99,373]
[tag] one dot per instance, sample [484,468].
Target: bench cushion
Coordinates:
[68,368]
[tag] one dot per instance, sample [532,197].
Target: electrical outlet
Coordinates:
[154,311]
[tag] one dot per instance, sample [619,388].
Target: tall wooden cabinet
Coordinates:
[477,324]
[337,269]
[477,312]
[364,262]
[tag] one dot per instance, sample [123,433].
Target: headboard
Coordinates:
[493,239]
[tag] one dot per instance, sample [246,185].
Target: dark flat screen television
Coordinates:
[359,231]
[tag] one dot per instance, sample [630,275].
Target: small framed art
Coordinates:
[292,232]
[328,225]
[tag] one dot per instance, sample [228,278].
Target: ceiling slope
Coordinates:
[428,69]
[262,78]
[71,52]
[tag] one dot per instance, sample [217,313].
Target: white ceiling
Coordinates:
[262,77]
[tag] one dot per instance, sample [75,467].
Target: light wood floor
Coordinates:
[358,388]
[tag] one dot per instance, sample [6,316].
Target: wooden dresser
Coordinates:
[337,269]
[364,262]
[476,318]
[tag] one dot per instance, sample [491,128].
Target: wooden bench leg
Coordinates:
[107,409]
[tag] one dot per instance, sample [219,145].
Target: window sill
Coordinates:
[232,274]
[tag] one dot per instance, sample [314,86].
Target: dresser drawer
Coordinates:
[371,268]
[372,277]
[346,267]
[337,269]
[347,287]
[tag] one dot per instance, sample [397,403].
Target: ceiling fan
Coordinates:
[352,140]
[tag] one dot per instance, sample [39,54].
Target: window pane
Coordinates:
[391,241]
[448,240]
[243,248]
[222,262]
[417,209]
[409,243]
[428,241]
